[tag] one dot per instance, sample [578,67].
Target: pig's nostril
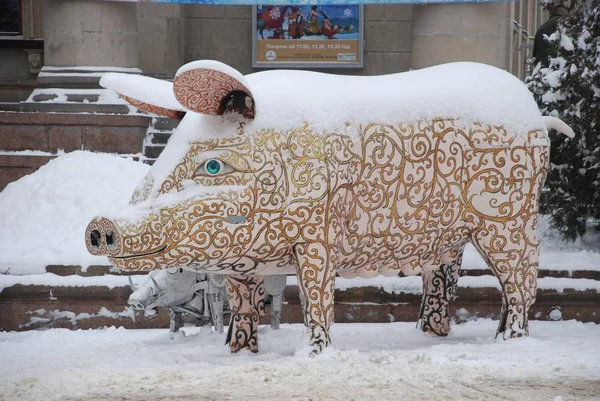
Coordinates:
[110,239]
[95,238]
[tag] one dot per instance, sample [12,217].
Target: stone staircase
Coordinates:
[68,112]
[28,140]
[157,136]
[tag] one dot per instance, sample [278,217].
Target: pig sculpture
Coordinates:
[359,177]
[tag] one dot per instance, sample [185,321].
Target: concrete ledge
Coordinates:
[36,306]
[74,119]
[51,132]
[99,270]
[74,108]
[91,271]
[24,161]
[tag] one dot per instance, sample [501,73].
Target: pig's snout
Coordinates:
[135,304]
[102,238]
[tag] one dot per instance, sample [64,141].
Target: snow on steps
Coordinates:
[157,136]
[28,141]
[68,297]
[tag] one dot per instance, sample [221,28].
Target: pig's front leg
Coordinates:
[439,289]
[246,301]
[316,280]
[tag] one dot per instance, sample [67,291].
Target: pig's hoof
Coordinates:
[435,333]
[254,350]
[440,330]
[317,346]
[509,334]
[514,330]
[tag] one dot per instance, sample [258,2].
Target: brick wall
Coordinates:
[224,33]
[50,132]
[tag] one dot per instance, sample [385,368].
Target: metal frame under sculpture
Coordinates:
[203,296]
[366,176]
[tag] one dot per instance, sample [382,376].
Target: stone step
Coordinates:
[78,77]
[100,270]
[91,271]
[75,101]
[49,132]
[37,306]
[158,137]
[153,151]
[10,106]
[165,124]
[30,140]
[75,108]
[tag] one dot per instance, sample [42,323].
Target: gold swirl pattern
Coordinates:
[150,108]
[246,300]
[203,91]
[382,200]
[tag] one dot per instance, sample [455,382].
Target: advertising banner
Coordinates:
[311,2]
[307,36]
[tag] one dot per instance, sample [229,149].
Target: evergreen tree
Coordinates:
[570,90]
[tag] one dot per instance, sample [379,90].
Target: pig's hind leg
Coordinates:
[316,279]
[439,289]
[246,300]
[511,250]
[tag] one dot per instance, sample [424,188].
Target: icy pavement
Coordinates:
[394,361]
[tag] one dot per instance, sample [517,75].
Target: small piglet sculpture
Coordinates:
[312,174]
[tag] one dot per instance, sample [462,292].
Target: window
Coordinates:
[10,17]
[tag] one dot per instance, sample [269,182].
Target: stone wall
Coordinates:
[90,33]
[25,307]
[161,38]
[444,33]
[51,132]
[16,81]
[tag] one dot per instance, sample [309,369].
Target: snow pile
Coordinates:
[129,70]
[104,96]
[384,361]
[43,216]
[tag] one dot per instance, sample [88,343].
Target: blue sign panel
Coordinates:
[313,2]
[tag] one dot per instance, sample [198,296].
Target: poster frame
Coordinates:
[309,64]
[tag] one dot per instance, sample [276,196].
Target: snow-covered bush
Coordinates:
[570,89]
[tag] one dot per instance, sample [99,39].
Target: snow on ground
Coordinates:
[43,215]
[392,361]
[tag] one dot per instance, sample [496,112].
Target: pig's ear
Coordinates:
[145,93]
[211,87]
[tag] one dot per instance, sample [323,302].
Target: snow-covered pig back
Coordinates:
[465,91]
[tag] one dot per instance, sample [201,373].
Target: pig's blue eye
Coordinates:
[213,167]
